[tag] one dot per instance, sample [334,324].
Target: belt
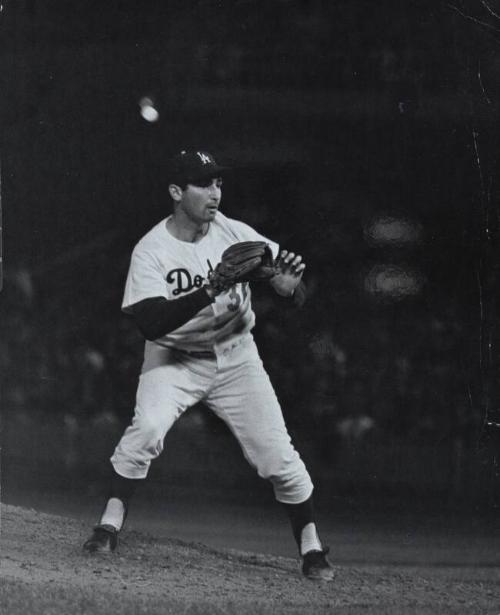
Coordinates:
[199,354]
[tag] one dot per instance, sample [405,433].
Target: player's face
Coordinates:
[200,201]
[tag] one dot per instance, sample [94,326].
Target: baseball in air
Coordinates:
[148,110]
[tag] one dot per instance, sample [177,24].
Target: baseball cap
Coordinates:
[190,166]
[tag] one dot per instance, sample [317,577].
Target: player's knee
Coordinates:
[279,466]
[152,431]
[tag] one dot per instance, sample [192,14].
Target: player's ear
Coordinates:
[175,192]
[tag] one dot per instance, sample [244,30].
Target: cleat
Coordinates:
[104,539]
[316,567]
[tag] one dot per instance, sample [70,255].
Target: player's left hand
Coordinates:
[290,270]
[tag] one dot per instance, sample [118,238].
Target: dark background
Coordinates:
[363,135]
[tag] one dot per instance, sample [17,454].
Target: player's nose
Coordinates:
[214,193]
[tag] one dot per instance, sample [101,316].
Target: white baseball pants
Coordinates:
[236,387]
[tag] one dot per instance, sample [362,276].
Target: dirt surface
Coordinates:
[45,571]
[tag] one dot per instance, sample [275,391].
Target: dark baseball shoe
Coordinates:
[316,567]
[103,540]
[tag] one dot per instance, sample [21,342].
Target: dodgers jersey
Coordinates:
[164,266]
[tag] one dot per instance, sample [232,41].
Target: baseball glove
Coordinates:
[246,261]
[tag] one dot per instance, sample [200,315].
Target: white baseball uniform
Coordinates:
[211,358]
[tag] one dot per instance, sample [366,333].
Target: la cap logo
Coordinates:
[203,157]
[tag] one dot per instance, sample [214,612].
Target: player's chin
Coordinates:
[211,212]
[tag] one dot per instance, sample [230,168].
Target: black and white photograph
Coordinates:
[250,307]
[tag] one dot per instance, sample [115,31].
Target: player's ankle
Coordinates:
[309,539]
[114,514]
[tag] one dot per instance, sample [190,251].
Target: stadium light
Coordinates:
[393,281]
[390,230]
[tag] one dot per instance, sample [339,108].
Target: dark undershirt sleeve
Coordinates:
[158,316]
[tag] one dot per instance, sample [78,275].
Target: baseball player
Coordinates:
[188,291]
